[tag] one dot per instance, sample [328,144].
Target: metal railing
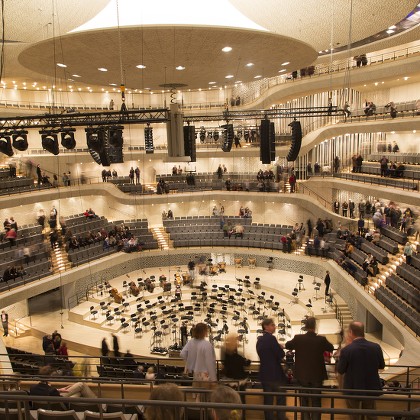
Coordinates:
[404,402]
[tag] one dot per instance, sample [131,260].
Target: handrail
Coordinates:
[306,190]
[385,182]
[261,87]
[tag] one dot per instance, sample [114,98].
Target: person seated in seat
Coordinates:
[399,172]
[165,392]
[239,231]
[43,388]
[89,213]
[348,249]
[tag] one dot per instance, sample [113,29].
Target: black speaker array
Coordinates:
[296,141]
[148,140]
[228,135]
[103,150]
[267,142]
[189,142]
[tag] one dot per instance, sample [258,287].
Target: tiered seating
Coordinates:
[405,158]
[388,245]
[380,254]
[405,290]
[375,169]
[140,229]
[84,254]
[394,234]
[211,181]
[12,185]
[409,273]
[399,308]
[29,363]
[37,266]
[206,231]
[415,262]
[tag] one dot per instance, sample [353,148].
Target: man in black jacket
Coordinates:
[359,362]
[272,376]
[310,370]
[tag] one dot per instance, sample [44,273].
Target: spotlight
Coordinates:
[20,140]
[116,136]
[6,144]
[148,139]
[49,140]
[67,138]
[216,136]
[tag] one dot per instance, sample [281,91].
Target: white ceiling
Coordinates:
[271,33]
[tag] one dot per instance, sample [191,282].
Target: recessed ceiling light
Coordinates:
[212,83]
[392,27]
[249,64]
[406,78]
[376,83]
[285,63]
[141,66]
[180,68]
[392,132]
[229,76]
[61,65]
[102,69]
[257,76]
[238,81]
[389,31]
[320,52]
[282,70]
[414,131]
[76,75]
[227,49]
[112,84]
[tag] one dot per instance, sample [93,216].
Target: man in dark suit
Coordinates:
[359,362]
[272,376]
[310,370]
[327,282]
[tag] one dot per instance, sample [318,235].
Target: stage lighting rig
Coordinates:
[67,138]
[49,139]
[20,140]
[6,143]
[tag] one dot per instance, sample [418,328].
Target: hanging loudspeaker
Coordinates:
[296,141]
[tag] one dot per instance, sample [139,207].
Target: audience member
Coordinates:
[224,394]
[271,375]
[165,392]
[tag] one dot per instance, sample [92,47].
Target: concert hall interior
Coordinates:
[167,165]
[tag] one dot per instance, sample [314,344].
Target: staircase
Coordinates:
[17,329]
[59,257]
[344,314]
[162,237]
[150,188]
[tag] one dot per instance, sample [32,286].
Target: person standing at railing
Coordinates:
[271,375]
[359,362]
[310,370]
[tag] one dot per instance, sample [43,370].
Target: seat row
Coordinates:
[406,158]
[375,169]
[399,308]
[405,290]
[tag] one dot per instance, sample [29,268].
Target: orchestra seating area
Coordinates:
[35,266]
[13,185]
[409,171]
[80,225]
[211,181]
[188,231]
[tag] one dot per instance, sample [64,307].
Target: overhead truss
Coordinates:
[150,116]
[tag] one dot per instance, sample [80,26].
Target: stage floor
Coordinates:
[84,332]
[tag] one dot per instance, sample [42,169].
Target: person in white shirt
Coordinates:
[199,356]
